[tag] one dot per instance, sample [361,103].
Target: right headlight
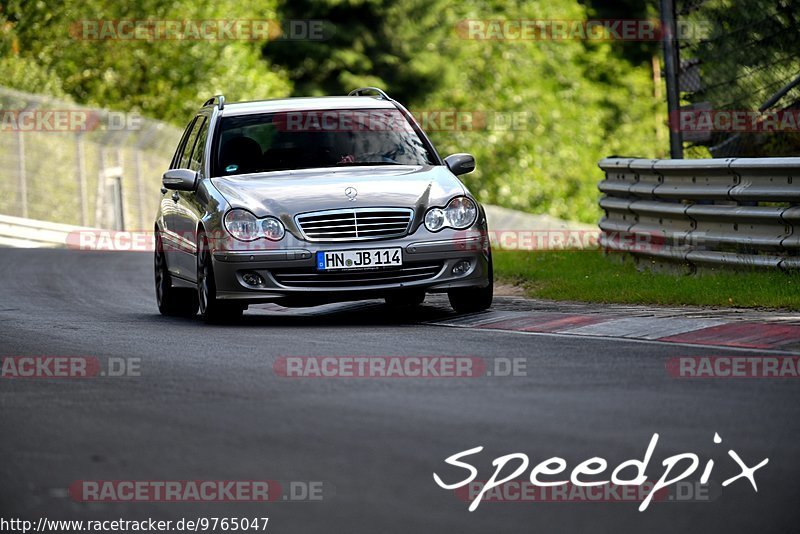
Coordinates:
[460,213]
[245,226]
[272,229]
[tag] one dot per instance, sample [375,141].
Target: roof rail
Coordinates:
[361,90]
[219,99]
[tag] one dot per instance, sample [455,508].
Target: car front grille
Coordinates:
[355,224]
[308,277]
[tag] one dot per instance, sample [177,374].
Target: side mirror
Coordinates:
[180,180]
[460,163]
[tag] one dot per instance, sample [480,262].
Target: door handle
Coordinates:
[175,196]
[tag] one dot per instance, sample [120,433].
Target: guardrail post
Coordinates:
[119,207]
[671,66]
[80,168]
[110,212]
[22,179]
[137,163]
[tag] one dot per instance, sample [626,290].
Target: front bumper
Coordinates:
[431,257]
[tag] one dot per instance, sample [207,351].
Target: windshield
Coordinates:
[317,138]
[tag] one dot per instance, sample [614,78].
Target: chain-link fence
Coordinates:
[740,57]
[76,165]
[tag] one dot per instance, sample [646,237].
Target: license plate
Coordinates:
[359,259]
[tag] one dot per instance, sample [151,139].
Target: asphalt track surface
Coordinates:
[208,406]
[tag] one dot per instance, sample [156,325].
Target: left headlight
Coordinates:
[460,213]
[245,226]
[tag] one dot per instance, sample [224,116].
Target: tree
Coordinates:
[165,79]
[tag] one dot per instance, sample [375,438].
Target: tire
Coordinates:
[172,301]
[405,300]
[212,310]
[473,299]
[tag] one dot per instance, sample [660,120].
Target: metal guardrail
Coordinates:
[80,176]
[735,212]
[17,232]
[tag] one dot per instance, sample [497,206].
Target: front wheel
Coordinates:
[212,309]
[172,301]
[473,299]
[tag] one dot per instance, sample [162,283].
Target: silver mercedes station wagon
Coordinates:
[306,201]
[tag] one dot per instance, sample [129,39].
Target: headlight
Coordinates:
[272,229]
[434,219]
[242,225]
[245,226]
[459,213]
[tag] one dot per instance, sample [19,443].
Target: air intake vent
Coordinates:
[308,277]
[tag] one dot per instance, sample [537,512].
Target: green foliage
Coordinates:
[367,42]
[578,102]
[25,74]
[582,103]
[165,79]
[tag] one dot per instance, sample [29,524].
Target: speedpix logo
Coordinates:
[585,474]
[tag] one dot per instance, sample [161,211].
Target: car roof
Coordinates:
[306,104]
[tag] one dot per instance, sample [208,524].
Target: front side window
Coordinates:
[176,159]
[317,139]
[189,146]
[196,159]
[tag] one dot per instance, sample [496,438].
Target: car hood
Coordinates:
[285,194]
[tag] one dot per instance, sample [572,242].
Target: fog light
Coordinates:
[252,279]
[461,267]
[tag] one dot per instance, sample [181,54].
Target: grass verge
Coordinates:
[589,276]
